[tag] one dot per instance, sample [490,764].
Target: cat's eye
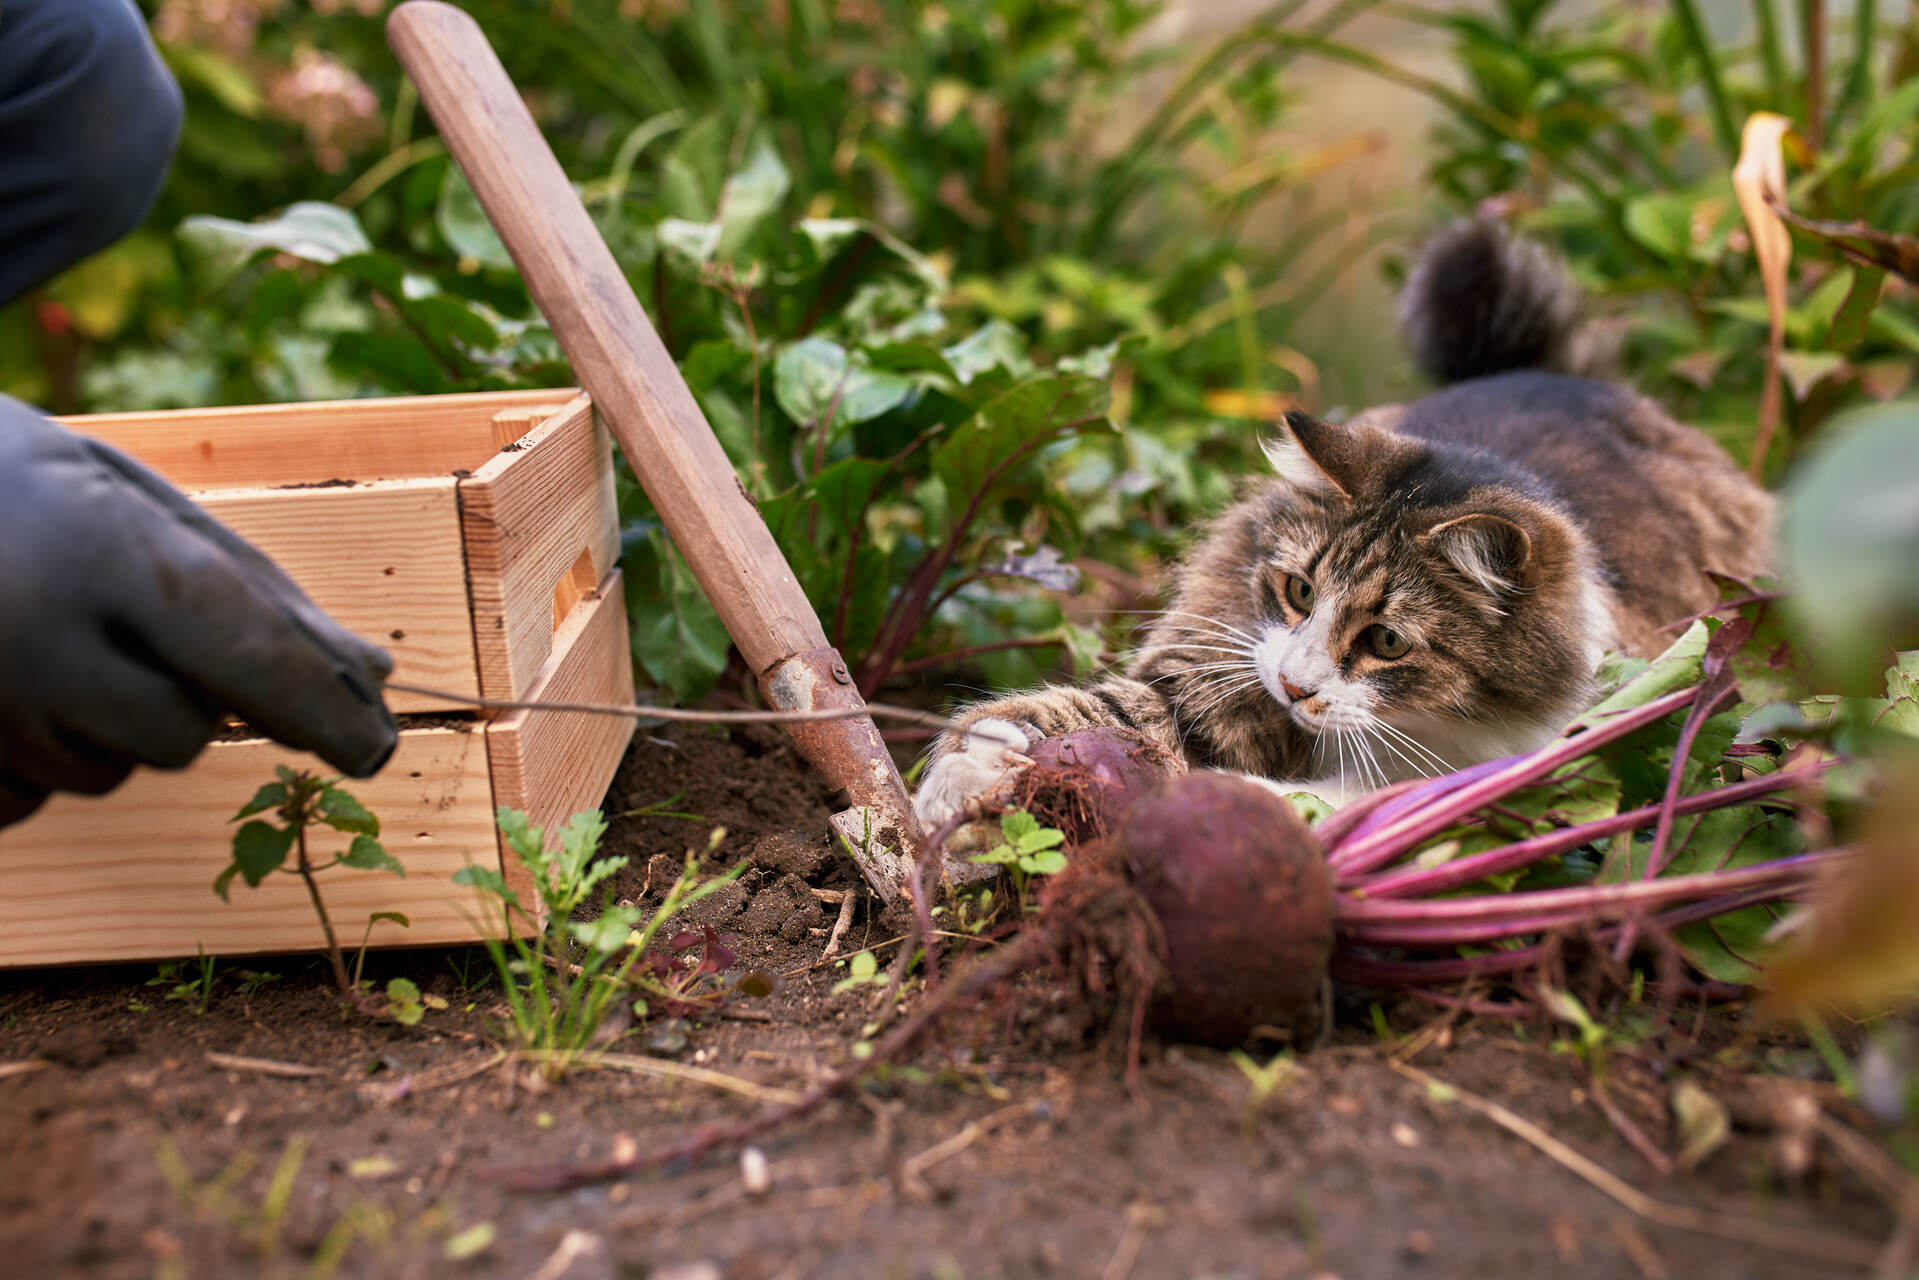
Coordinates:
[1387,643]
[1299,593]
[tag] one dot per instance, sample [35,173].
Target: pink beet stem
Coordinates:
[1408,882]
[1377,848]
[1376,811]
[1347,967]
[1353,914]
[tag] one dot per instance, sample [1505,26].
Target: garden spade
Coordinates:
[651,411]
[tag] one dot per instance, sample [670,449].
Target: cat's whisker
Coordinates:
[1439,762]
[1222,694]
[1247,636]
[1404,759]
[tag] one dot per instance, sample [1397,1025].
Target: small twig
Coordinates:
[686,715]
[951,1146]
[1805,1241]
[848,902]
[262,1066]
[1639,1140]
[20,1066]
[667,1069]
[435,1077]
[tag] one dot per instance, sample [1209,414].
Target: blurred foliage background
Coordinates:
[988,298]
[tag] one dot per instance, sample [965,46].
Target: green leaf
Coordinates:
[270,796]
[994,345]
[389,360]
[343,813]
[1044,863]
[1849,323]
[464,223]
[224,881]
[368,854]
[815,380]
[396,917]
[608,932]
[1851,539]
[691,243]
[469,1243]
[677,637]
[486,879]
[1044,838]
[402,991]
[310,230]
[749,196]
[986,454]
[259,848]
[1680,665]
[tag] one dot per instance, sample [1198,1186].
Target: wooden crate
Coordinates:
[472,536]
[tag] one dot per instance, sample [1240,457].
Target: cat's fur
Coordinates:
[1505,530]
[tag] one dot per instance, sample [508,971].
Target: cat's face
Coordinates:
[1402,608]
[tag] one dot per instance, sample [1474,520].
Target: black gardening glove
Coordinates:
[130,621]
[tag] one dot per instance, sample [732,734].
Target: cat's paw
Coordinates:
[990,755]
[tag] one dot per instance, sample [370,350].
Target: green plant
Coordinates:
[562,975]
[862,970]
[1264,1082]
[184,983]
[253,981]
[1581,123]
[1027,850]
[302,801]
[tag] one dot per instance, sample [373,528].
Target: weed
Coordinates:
[253,981]
[1264,1082]
[1027,850]
[862,970]
[660,809]
[186,984]
[301,800]
[563,975]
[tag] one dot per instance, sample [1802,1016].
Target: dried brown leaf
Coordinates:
[1758,179]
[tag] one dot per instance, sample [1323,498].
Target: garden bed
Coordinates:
[1012,1150]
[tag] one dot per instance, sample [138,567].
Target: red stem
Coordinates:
[1408,882]
[1377,848]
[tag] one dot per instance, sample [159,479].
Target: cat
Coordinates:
[1428,585]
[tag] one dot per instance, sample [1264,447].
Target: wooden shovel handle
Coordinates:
[642,398]
[616,354]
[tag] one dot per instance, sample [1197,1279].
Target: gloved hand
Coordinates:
[130,620]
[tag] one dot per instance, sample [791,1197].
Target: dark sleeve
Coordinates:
[88,121]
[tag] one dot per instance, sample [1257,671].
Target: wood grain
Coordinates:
[386,560]
[530,515]
[553,764]
[615,352]
[280,444]
[129,876]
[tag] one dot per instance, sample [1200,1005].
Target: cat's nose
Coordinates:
[1293,691]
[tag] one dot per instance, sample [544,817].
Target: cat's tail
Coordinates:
[1480,301]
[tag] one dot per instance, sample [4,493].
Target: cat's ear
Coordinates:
[1314,456]
[1491,550]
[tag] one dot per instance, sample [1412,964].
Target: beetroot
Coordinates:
[1244,901]
[1081,782]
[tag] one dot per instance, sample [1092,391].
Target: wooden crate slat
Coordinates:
[530,516]
[552,764]
[386,560]
[280,444]
[129,876]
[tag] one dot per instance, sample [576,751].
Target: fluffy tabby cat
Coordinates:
[1429,585]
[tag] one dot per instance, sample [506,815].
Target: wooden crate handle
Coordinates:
[640,394]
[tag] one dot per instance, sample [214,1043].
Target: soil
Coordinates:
[1011,1147]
